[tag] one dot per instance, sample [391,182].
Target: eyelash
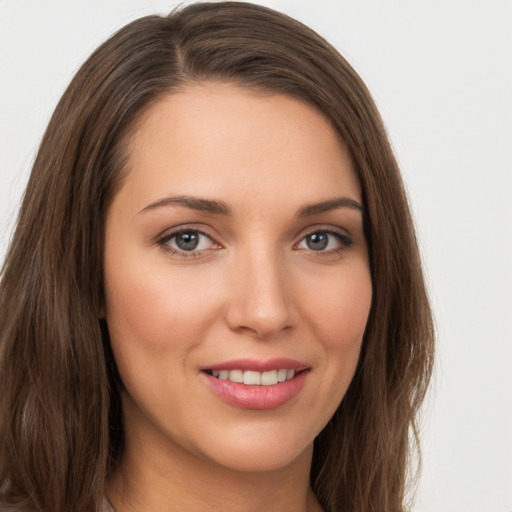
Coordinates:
[164,241]
[342,237]
[345,241]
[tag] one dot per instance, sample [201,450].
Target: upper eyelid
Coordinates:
[168,233]
[323,228]
[173,234]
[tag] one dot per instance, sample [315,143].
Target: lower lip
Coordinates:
[256,397]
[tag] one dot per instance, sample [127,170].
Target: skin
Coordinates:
[254,287]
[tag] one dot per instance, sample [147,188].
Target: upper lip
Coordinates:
[259,365]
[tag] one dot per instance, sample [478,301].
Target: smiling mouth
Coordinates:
[258,385]
[254,378]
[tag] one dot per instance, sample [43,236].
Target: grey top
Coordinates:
[107,507]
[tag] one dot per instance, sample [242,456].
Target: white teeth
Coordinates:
[269,378]
[252,378]
[281,375]
[236,376]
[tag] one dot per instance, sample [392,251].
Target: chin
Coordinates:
[258,452]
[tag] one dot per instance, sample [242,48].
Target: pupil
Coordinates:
[317,241]
[187,241]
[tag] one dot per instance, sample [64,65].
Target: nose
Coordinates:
[260,299]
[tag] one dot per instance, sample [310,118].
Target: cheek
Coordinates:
[152,305]
[337,315]
[155,321]
[339,309]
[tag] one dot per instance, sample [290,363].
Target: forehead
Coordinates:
[223,140]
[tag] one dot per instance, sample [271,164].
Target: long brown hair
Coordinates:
[60,421]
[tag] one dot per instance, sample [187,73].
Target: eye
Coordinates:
[325,241]
[187,242]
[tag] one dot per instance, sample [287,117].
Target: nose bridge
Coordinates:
[260,301]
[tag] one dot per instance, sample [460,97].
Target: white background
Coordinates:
[441,73]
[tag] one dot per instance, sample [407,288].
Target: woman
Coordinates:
[213,298]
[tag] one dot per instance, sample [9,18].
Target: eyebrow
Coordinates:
[331,204]
[222,208]
[193,203]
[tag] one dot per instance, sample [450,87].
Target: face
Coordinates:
[237,277]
